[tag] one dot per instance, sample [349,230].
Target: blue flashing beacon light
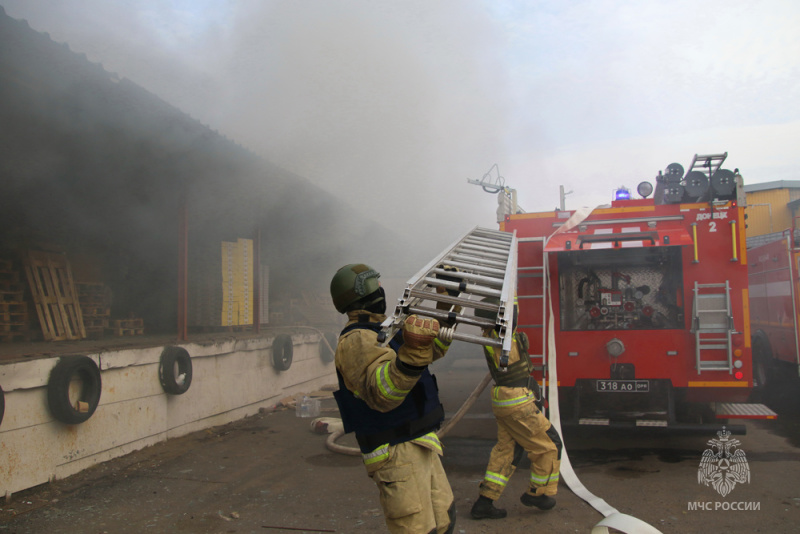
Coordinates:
[622,194]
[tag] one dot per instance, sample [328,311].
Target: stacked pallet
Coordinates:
[127,327]
[95,301]
[53,290]
[13,308]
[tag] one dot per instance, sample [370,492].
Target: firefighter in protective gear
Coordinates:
[390,400]
[521,428]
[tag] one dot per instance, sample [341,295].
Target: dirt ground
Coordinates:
[271,473]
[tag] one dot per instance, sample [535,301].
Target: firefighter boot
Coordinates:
[542,502]
[484,509]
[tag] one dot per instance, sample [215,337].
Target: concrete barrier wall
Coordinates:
[231,379]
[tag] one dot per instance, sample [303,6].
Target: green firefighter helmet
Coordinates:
[351,284]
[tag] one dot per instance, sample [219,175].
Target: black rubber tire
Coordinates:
[762,363]
[2,404]
[172,357]
[324,352]
[282,352]
[761,374]
[58,388]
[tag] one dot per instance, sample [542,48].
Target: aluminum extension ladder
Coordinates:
[487,267]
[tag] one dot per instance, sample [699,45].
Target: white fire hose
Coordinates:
[613,517]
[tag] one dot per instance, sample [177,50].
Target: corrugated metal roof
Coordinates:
[778,184]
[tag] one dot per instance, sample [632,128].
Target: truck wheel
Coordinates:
[761,373]
[58,390]
[762,364]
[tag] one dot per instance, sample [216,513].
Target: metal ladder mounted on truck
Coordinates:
[532,286]
[712,323]
[486,263]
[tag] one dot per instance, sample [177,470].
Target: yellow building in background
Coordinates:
[771,208]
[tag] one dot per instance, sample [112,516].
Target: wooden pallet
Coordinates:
[122,332]
[14,324]
[128,324]
[14,321]
[11,288]
[95,326]
[95,301]
[127,327]
[13,313]
[57,306]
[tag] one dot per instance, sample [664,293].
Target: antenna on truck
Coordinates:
[494,183]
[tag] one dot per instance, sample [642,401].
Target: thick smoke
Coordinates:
[393,105]
[390,107]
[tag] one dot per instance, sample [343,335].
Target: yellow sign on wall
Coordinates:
[237,282]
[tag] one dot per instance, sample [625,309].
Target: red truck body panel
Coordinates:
[624,279]
[773,274]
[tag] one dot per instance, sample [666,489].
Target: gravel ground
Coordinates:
[271,473]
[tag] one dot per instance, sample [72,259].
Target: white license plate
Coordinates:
[623,386]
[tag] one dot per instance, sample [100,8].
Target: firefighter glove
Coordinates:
[418,335]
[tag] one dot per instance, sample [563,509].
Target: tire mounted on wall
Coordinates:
[58,389]
[2,404]
[324,352]
[282,352]
[175,370]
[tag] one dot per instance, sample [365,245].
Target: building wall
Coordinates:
[767,211]
[232,379]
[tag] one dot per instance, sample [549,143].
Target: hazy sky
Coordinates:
[392,106]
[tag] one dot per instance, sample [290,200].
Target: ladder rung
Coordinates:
[474,267]
[493,242]
[489,254]
[467,288]
[474,258]
[714,366]
[453,301]
[443,314]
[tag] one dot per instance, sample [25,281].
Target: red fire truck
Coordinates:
[648,300]
[774,305]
